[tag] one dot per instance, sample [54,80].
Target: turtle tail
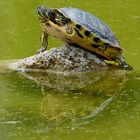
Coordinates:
[123,63]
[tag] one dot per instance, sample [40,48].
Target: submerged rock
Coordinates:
[66,58]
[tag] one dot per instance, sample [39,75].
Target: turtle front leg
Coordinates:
[44,42]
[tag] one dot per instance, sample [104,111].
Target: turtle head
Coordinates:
[53,15]
[43,13]
[48,16]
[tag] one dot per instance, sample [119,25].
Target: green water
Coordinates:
[102,105]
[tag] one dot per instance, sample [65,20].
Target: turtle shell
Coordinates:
[92,23]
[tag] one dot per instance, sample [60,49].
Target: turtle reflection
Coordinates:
[74,96]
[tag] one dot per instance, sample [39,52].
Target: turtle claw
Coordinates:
[40,50]
[123,63]
[127,67]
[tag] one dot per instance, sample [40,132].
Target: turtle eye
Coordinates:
[47,14]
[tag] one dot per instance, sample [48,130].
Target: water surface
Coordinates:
[95,106]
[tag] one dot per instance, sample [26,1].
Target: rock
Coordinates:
[66,58]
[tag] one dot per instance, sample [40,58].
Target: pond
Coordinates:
[100,105]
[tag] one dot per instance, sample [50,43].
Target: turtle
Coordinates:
[80,28]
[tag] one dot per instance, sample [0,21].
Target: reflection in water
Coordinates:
[41,104]
[74,110]
[76,97]
[105,81]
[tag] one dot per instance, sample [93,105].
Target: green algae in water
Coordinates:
[24,112]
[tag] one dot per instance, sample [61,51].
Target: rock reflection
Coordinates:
[76,97]
[106,81]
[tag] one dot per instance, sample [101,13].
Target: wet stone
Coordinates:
[66,58]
